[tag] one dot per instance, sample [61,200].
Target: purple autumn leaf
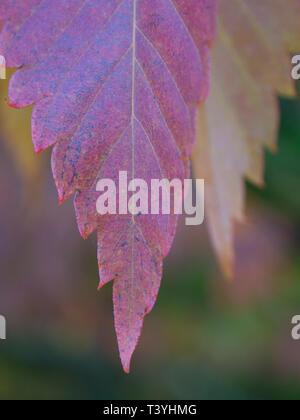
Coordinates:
[115,86]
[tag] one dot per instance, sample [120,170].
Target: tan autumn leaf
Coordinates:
[250,66]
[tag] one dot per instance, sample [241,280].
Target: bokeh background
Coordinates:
[205,339]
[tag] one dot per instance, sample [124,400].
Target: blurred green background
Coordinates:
[205,339]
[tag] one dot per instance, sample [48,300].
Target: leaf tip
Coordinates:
[100,285]
[126,360]
[260,183]
[82,232]
[229,273]
[11,104]
[227,265]
[274,149]
[61,195]
[37,150]
[61,199]
[126,367]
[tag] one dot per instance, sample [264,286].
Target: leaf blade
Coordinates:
[115,86]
